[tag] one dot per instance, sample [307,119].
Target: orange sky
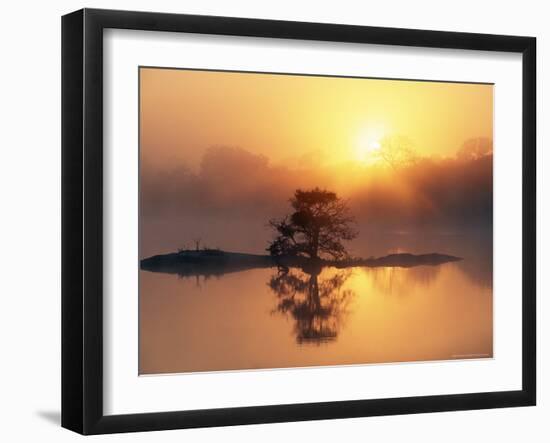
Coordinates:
[289,117]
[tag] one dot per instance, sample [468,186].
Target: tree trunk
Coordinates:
[315,245]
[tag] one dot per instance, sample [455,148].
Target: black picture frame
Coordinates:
[82,220]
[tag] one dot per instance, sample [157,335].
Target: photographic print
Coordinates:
[291,220]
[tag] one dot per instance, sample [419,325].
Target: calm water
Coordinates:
[265,319]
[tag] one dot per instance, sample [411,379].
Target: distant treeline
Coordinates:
[235,182]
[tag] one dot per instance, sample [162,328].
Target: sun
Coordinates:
[366,148]
[368,141]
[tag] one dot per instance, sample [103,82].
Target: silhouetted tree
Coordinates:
[397,151]
[475,148]
[316,228]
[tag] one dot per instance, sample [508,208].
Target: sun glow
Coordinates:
[367,146]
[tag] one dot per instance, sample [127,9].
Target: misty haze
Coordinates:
[290,221]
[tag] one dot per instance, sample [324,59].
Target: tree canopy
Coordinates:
[397,151]
[320,221]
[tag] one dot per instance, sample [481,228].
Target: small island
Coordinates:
[310,238]
[211,262]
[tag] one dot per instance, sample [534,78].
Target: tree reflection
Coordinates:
[318,306]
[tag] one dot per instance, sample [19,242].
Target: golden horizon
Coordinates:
[333,120]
